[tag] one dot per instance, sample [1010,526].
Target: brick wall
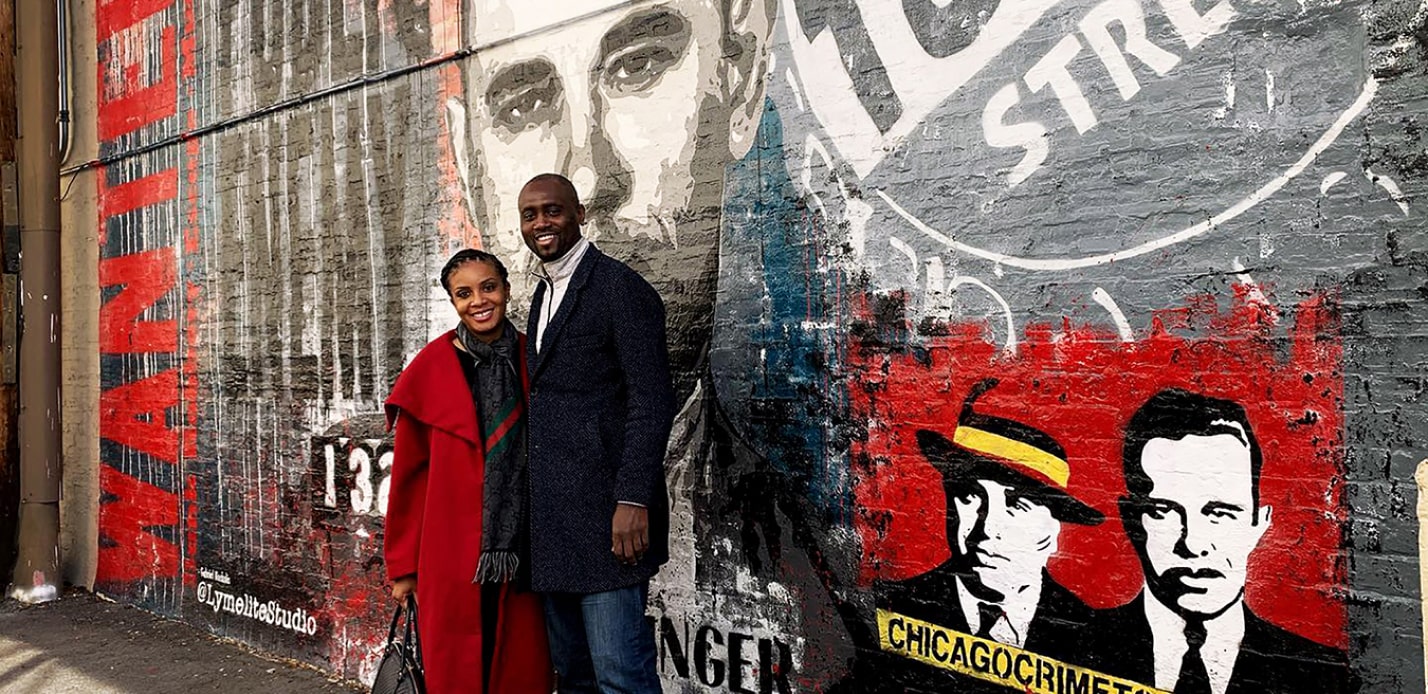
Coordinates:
[858,213]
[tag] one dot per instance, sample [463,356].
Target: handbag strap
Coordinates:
[392,630]
[412,638]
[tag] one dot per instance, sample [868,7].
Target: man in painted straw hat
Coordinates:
[1007,497]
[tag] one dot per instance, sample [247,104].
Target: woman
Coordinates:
[457,508]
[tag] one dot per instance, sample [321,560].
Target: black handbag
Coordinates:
[400,671]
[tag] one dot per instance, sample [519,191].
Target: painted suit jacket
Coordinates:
[1271,660]
[1058,630]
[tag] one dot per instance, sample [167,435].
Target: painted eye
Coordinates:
[527,107]
[524,95]
[638,68]
[640,50]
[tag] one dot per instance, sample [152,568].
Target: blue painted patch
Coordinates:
[782,324]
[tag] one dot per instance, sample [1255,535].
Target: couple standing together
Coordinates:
[535,463]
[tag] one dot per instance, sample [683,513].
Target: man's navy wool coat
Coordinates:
[601,409]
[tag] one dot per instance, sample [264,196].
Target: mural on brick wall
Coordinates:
[1097,377]
[1008,333]
[1098,503]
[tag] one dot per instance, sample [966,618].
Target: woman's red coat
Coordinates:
[433,530]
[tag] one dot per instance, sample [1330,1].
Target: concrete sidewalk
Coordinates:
[86,645]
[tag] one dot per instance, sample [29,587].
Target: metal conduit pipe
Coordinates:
[37,576]
[66,132]
[360,82]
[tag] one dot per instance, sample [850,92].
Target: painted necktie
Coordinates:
[1193,677]
[988,613]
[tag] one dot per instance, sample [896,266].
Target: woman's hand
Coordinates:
[403,587]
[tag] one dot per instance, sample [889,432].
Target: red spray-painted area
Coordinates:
[1081,385]
[145,414]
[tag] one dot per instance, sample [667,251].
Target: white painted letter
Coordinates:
[1128,13]
[1051,70]
[329,496]
[361,463]
[384,488]
[1029,136]
[1193,26]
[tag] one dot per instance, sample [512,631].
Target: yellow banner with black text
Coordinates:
[988,660]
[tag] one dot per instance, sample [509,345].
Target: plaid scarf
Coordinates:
[500,410]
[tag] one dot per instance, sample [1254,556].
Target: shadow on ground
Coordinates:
[85,645]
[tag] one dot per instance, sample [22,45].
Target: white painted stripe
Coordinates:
[1201,228]
[996,296]
[1330,181]
[1103,298]
[1388,184]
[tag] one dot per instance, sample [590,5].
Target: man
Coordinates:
[1194,514]
[1006,486]
[601,407]
[645,106]
[641,105]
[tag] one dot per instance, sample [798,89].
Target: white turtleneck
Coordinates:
[556,275]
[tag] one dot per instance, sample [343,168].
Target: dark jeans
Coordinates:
[490,618]
[600,642]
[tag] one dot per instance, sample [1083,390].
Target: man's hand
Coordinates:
[630,533]
[403,587]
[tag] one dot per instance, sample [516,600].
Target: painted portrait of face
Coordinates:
[641,105]
[1199,521]
[1001,538]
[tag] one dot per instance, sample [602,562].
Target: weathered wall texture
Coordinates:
[858,211]
[79,498]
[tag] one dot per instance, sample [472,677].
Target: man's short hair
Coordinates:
[1174,414]
[557,179]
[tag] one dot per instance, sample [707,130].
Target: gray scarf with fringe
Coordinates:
[500,410]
